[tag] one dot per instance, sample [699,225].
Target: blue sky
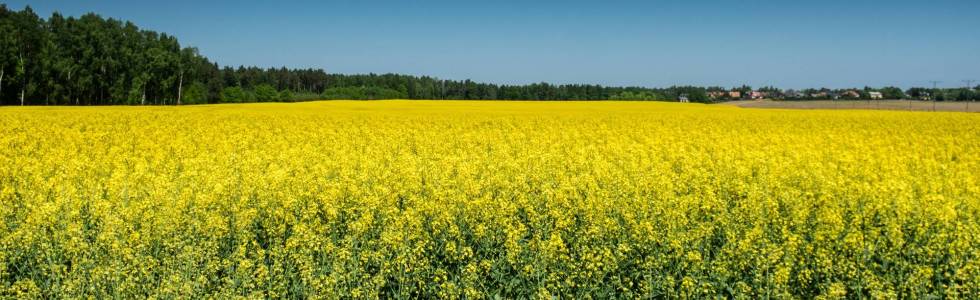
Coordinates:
[790,44]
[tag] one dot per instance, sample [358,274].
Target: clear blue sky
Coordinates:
[648,43]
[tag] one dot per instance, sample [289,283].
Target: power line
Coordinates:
[934,83]
[969,88]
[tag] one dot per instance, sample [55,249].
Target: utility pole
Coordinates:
[969,88]
[934,82]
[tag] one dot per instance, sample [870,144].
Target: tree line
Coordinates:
[91,60]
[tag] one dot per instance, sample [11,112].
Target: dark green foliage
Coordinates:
[963,94]
[891,92]
[362,93]
[195,93]
[234,94]
[918,93]
[91,60]
[302,96]
[266,93]
[286,96]
[643,95]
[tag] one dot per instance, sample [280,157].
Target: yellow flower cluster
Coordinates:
[480,200]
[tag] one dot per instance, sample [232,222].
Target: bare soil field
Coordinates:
[914,105]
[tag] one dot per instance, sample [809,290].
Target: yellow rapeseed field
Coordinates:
[448,199]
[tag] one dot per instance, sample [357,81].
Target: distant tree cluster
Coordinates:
[91,60]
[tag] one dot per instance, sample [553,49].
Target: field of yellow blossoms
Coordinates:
[487,200]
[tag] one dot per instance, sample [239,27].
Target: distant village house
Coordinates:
[852,94]
[716,94]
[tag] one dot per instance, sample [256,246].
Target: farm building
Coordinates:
[716,95]
[875,95]
[851,94]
